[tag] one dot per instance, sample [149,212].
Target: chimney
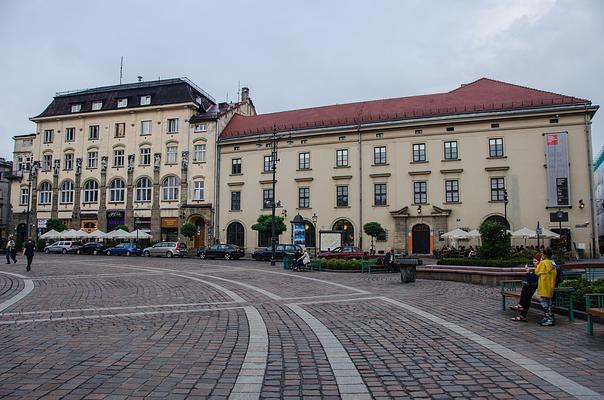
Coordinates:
[245,94]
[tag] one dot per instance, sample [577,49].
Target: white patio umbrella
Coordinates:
[70,234]
[547,234]
[139,234]
[83,234]
[474,233]
[98,234]
[456,234]
[51,234]
[524,233]
[118,234]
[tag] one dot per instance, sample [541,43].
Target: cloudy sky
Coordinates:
[297,54]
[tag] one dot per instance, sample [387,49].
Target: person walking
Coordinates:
[11,251]
[28,251]
[546,273]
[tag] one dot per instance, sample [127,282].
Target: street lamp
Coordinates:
[505,205]
[314,219]
[32,173]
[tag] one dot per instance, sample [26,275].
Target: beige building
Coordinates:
[420,166]
[139,154]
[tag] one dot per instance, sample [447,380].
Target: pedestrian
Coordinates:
[388,261]
[28,251]
[305,258]
[298,255]
[546,272]
[11,250]
[528,290]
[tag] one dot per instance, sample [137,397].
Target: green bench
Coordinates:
[593,309]
[288,262]
[563,297]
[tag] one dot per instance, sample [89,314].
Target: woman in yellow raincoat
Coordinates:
[546,272]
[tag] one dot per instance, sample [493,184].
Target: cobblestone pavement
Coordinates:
[119,327]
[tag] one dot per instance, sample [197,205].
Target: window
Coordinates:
[198,193]
[28,142]
[171,154]
[46,162]
[379,155]
[93,132]
[121,103]
[118,158]
[496,125]
[91,192]
[172,125]
[235,201]
[143,189]
[341,158]
[69,134]
[200,152]
[23,163]
[76,108]
[236,166]
[267,198]
[451,150]
[146,127]
[268,163]
[379,194]
[497,189]
[170,189]
[341,196]
[303,197]
[145,156]
[48,135]
[496,147]
[97,105]
[93,159]
[341,138]
[145,100]
[45,193]
[420,192]
[450,129]
[304,161]
[116,191]
[452,191]
[201,128]
[68,162]
[24,197]
[419,152]
[66,192]
[120,129]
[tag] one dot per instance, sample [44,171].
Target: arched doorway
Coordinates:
[499,220]
[345,226]
[21,233]
[235,234]
[310,236]
[199,240]
[420,239]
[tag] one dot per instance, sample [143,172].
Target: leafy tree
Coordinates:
[264,225]
[122,227]
[373,229]
[188,230]
[55,224]
[495,241]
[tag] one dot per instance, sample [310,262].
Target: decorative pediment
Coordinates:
[437,211]
[402,213]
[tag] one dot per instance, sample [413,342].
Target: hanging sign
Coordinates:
[558,177]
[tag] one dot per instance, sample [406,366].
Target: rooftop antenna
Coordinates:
[140,78]
[121,68]
[238,90]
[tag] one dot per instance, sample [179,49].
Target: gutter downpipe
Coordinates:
[360,140]
[595,252]
[216,220]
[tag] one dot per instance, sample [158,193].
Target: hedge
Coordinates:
[581,287]
[511,262]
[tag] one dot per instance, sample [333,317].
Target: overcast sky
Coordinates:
[297,54]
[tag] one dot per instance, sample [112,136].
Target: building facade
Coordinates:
[420,166]
[599,182]
[140,155]
[6,170]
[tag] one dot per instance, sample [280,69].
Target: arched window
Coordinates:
[499,220]
[91,191]
[45,193]
[170,189]
[310,236]
[116,191]
[347,230]
[235,234]
[143,189]
[66,190]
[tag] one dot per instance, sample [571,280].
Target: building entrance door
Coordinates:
[420,239]
[199,238]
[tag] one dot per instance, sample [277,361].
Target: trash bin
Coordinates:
[407,266]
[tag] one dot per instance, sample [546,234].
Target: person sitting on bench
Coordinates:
[528,291]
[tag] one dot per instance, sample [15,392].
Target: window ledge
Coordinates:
[496,157]
[239,174]
[450,159]
[381,205]
[453,202]
[419,204]
[497,201]
[115,202]
[170,163]
[235,210]
[380,165]
[342,166]
[199,162]
[142,201]
[303,169]
[266,172]
[303,208]
[419,162]
[342,207]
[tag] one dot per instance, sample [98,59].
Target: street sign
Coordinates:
[558,216]
[539,231]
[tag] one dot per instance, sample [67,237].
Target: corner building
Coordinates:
[420,166]
[139,154]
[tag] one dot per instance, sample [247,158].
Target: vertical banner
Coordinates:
[299,234]
[558,182]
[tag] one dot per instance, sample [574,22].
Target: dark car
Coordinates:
[127,249]
[226,251]
[90,248]
[347,252]
[281,250]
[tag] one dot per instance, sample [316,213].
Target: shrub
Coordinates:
[581,287]
[478,262]
[40,244]
[340,264]
[495,241]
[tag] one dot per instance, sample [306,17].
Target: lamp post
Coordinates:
[505,205]
[314,223]
[32,172]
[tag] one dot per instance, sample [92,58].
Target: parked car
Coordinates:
[62,246]
[128,249]
[90,248]
[347,252]
[264,254]
[226,251]
[168,249]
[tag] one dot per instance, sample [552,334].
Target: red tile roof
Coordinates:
[483,95]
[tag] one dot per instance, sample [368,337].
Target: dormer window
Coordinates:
[97,105]
[201,128]
[146,100]
[121,103]
[76,107]
[198,99]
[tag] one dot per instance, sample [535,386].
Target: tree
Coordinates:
[188,230]
[264,225]
[55,224]
[495,241]
[373,229]
[122,227]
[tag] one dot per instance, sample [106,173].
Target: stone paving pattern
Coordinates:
[143,332]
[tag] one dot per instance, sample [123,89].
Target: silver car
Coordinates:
[62,246]
[168,249]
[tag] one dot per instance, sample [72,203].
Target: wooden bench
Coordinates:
[563,296]
[595,309]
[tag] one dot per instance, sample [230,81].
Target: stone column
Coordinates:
[75,218]
[184,188]
[102,214]
[33,201]
[155,213]
[129,215]
[54,210]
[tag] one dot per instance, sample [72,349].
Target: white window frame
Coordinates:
[145,100]
[24,196]
[92,160]
[66,192]
[342,158]
[45,193]
[48,135]
[76,108]
[94,132]
[145,156]
[201,127]
[122,103]
[68,161]
[69,134]
[120,133]
[146,127]
[46,162]
[119,157]
[198,190]
[171,154]
[143,193]
[91,191]
[172,125]
[117,191]
[170,188]
[97,105]
[200,153]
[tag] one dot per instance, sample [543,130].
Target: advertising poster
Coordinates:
[329,240]
[299,234]
[556,153]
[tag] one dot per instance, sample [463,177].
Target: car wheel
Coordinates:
[128,254]
[46,251]
[147,254]
[64,251]
[227,256]
[202,255]
[78,251]
[169,254]
[108,252]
